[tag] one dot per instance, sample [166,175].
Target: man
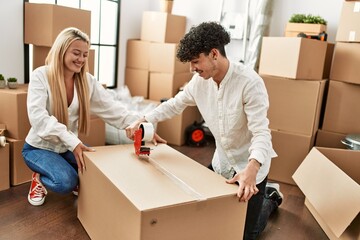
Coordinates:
[233,101]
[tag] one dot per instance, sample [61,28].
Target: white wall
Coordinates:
[11,39]
[11,26]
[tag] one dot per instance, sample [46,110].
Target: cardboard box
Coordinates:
[166,85]
[40,53]
[341,112]
[291,149]
[133,199]
[43,22]
[296,58]
[96,135]
[163,59]
[13,111]
[295,105]
[349,28]
[137,80]
[5,167]
[162,27]
[293,29]
[19,172]
[166,5]
[173,130]
[329,139]
[328,60]
[333,196]
[137,54]
[346,62]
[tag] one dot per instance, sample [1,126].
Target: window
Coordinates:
[104,36]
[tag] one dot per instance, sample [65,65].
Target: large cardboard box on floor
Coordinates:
[329,139]
[341,112]
[4,167]
[291,149]
[173,130]
[295,105]
[124,197]
[137,80]
[162,27]
[13,111]
[346,62]
[291,57]
[96,135]
[349,28]
[137,54]
[163,59]
[330,181]
[43,22]
[293,29]
[19,171]
[40,53]
[166,85]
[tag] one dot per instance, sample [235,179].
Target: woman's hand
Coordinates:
[130,130]
[78,153]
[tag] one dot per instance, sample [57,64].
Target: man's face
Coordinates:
[204,65]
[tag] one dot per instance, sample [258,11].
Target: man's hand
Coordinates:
[247,181]
[78,153]
[157,139]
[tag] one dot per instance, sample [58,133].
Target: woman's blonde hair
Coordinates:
[55,63]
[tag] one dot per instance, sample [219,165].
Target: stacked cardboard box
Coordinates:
[43,22]
[341,113]
[293,70]
[4,161]
[333,196]
[153,71]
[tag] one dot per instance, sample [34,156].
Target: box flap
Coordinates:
[333,193]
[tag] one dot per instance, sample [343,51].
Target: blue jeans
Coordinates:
[58,171]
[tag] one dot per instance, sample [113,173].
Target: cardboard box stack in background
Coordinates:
[43,22]
[341,112]
[4,161]
[115,203]
[14,116]
[329,176]
[153,71]
[293,69]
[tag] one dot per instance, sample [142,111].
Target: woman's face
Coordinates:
[76,56]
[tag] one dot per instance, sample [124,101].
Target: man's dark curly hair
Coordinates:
[201,39]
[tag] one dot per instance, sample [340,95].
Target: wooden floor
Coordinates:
[57,218]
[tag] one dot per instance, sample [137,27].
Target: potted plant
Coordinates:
[308,24]
[2,81]
[12,82]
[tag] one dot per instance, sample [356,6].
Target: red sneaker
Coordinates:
[37,192]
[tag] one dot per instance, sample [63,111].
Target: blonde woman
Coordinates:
[61,96]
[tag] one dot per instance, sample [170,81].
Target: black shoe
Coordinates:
[272,191]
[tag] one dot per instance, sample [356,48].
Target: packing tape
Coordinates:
[148,131]
[2,141]
[183,185]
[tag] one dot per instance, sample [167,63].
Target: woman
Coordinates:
[61,96]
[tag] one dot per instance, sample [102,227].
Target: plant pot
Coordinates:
[2,84]
[12,85]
